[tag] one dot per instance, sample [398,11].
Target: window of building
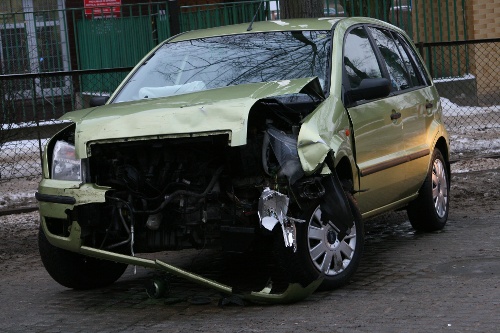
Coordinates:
[33,40]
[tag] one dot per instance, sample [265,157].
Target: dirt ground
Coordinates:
[445,281]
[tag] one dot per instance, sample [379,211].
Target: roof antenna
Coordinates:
[255,16]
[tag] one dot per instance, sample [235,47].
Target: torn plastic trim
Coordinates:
[273,207]
[334,204]
[294,292]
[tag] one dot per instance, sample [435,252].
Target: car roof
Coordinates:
[261,26]
[324,23]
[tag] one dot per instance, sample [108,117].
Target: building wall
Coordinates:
[457,20]
[483,18]
[438,20]
[483,22]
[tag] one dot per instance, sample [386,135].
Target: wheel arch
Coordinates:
[344,172]
[442,145]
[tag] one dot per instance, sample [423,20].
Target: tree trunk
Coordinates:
[301,8]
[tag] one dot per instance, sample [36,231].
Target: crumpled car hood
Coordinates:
[217,110]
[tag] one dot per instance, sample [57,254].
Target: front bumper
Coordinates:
[58,198]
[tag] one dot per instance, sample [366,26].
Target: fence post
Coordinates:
[420,46]
[174,13]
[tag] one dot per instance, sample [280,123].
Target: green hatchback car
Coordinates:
[282,135]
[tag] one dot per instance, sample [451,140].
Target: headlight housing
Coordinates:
[65,165]
[284,147]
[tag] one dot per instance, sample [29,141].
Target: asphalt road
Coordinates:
[444,281]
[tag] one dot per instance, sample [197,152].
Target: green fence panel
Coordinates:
[163,26]
[111,42]
[220,14]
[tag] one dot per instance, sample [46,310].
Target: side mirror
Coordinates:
[370,89]
[98,100]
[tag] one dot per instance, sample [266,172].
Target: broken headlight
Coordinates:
[65,165]
[284,147]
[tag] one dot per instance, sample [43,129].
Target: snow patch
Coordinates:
[455,78]
[34,124]
[279,22]
[451,109]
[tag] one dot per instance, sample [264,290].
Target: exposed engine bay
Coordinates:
[184,192]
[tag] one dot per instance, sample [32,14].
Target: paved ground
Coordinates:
[446,281]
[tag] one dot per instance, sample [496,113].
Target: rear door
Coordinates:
[412,99]
[418,144]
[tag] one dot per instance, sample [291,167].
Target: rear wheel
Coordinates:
[77,271]
[319,251]
[429,212]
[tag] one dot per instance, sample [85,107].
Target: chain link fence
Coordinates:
[29,113]
[466,75]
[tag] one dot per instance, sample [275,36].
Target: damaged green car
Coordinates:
[286,133]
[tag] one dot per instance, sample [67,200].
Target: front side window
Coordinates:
[360,61]
[216,62]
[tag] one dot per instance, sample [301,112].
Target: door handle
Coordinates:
[395,115]
[429,105]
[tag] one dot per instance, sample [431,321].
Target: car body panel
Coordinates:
[223,109]
[379,143]
[261,26]
[322,131]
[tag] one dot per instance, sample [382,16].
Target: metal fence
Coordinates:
[471,99]
[471,104]
[54,60]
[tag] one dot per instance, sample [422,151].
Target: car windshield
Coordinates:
[209,63]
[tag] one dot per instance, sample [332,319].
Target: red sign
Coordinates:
[102,8]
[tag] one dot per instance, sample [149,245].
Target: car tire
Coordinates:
[76,271]
[429,212]
[315,244]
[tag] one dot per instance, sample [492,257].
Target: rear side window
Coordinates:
[394,61]
[360,61]
[415,61]
[409,64]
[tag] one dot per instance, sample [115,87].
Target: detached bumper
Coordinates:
[58,198]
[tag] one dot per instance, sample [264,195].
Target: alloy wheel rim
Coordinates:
[439,188]
[329,255]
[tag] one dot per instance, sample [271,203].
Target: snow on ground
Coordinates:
[20,158]
[473,130]
[476,164]
[33,124]
[451,109]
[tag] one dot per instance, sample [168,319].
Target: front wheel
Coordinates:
[320,253]
[73,270]
[429,212]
